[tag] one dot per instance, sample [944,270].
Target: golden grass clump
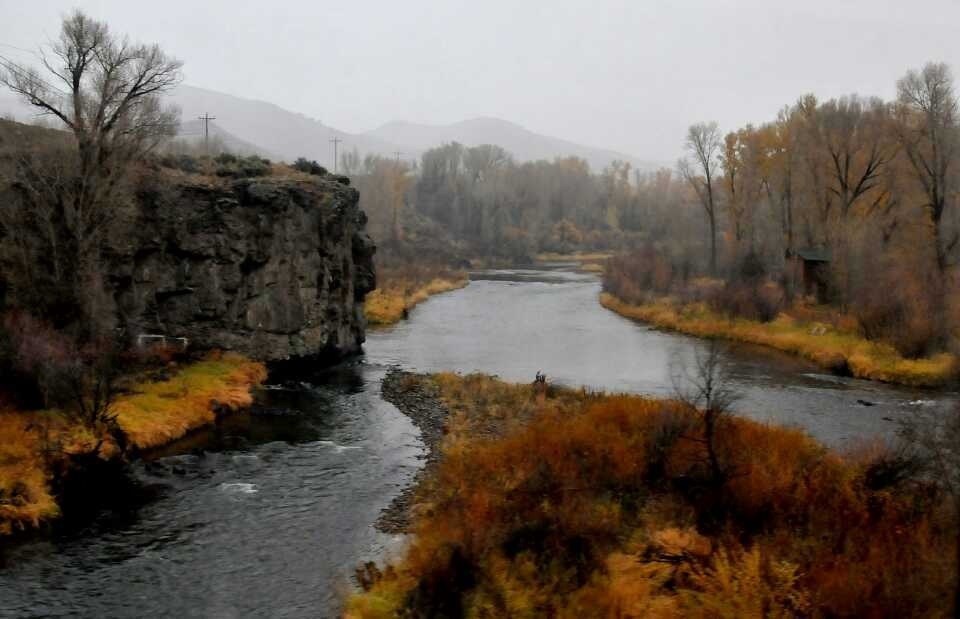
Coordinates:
[824,344]
[391,303]
[597,505]
[25,498]
[160,412]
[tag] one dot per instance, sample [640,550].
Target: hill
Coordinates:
[285,134]
[250,126]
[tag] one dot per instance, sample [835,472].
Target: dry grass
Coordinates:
[589,262]
[390,303]
[160,412]
[31,443]
[827,345]
[575,257]
[590,505]
[25,498]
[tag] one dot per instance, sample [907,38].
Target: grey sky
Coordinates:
[623,75]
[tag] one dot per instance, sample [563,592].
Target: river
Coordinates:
[267,515]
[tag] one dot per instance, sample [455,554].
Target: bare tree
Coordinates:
[851,137]
[706,388]
[927,112]
[704,143]
[854,133]
[106,91]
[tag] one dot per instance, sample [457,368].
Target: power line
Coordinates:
[335,142]
[206,118]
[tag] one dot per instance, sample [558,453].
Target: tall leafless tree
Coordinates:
[854,134]
[106,91]
[704,143]
[927,112]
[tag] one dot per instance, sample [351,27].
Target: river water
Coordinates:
[267,515]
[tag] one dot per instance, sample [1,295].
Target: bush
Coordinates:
[632,276]
[753,301]
[231,166]
[78,378]
[184,163]
[901,312]
[225,159]
[309,167]
[565,237]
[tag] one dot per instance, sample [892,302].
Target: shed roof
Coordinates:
[814,254]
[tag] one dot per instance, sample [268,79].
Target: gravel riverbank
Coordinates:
[417,397]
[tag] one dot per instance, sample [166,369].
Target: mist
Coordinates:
[627,76]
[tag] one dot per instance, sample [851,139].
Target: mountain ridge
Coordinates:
[255,125]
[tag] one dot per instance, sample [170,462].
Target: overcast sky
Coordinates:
[623,75]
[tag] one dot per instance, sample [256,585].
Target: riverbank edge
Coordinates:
[417,398]
[843,354]
[390,305]
[170,410]
[587,262]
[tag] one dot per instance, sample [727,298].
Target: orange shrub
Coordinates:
[587,511]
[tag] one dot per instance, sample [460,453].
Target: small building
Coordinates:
[809,269]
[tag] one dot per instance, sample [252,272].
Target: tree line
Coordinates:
[871,184]
[498,207]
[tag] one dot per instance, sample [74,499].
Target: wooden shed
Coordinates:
[810,271]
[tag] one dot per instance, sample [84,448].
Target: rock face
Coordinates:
[272,268]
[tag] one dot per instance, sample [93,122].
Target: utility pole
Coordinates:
[397,153]
[335,141]
[206,118]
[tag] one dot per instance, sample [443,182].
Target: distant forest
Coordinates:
[871,184]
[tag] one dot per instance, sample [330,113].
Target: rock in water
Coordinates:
[274,268]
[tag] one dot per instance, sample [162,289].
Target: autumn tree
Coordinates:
[777,170]
[743,158]
[704,144]
[616,194]
[384,184]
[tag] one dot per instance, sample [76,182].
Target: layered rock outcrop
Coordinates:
[274,268]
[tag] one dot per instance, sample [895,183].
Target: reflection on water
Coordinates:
[267,514]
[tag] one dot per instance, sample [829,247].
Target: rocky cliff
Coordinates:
[274,268]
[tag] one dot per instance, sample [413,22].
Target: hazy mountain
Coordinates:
[251,126]
[289,134]
[285,134]
[525,145]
